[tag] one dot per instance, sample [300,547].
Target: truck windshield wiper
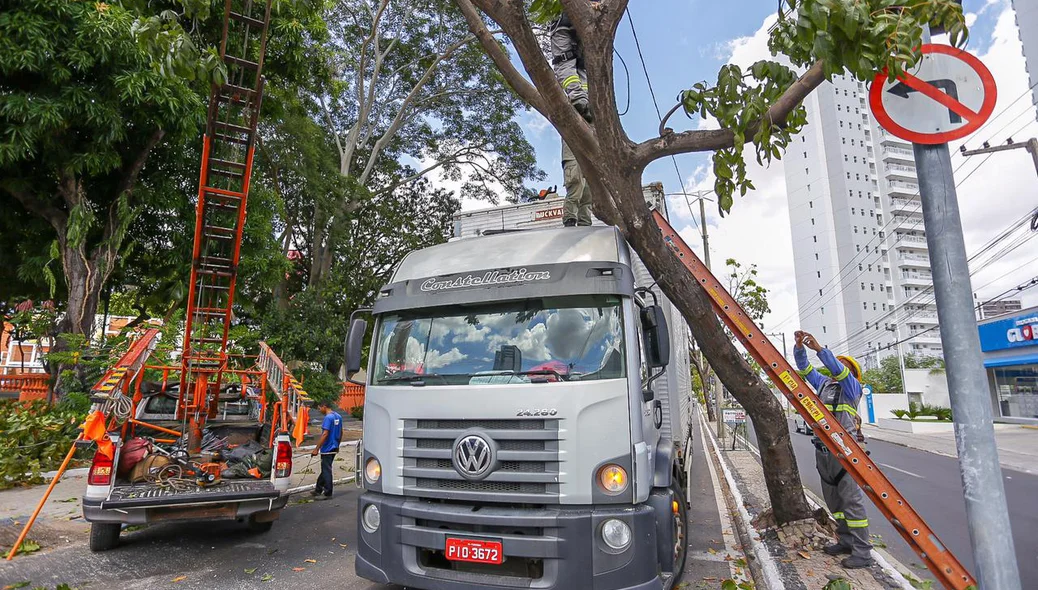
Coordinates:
[415,379]
[557,374]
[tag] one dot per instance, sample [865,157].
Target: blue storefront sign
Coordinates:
[1015,332]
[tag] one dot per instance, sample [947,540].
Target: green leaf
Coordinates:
[250,570]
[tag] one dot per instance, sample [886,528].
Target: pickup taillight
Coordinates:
[283,460]
[100,470]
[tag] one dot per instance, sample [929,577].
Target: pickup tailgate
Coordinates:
[148,495]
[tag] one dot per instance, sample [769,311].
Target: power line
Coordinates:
[659,114]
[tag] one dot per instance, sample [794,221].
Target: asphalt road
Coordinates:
[932,486]
[226,556]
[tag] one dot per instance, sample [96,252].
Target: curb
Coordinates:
[762,565]
[306,488]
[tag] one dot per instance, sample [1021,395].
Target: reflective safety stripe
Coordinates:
[838,515]
[804,372]
[843,374]
[574,79]
[843,408]
[858,524]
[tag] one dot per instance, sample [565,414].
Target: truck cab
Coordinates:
[515,433]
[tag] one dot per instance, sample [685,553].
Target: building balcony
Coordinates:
[913,260]
[902,171]
[909,242]
[917,279]
[899,188]
[910,206]
[908,222]
[925,337]
[896,154]
[924,317]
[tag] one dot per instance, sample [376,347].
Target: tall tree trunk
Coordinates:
[780,468]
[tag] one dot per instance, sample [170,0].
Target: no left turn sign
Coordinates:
[949,95]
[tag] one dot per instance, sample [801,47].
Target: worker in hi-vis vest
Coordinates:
[840,394]
[567,58]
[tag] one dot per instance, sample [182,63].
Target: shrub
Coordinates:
[35,439]
[357,412]
[901,414]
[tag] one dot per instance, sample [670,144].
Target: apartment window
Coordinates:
[856,111]
[852,210]
[823,329]
[859,126]
[873,306]
[839,108]
[859,194]
[857,177]
[859,266]
[873,285]
[810,204]
[806,171]
[841,124]
[852,142]
[845,159]
[845,140]
[805,154]
[884,307]
[815,239]
[863,286]
[823,311]
[855,159]
[848,176]
[855,229]
[812,221]
[870,268]
[819,273]
[865,306]
[873,231]
[803,139]
[858,248]
[867,325]
[819,292]
[872,212]
[816,255]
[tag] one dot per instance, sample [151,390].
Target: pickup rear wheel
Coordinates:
[104,535]
[680,535]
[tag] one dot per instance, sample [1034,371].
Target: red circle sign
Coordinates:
[950,95]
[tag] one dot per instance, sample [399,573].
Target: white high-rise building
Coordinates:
[1027,22]
[862,267]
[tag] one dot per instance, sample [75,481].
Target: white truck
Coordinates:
[527,413]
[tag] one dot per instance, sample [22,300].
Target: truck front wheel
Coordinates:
[104,535]
[680,535]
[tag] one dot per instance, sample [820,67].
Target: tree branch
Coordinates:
[717,139]
[519,84]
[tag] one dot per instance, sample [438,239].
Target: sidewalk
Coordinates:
[61,520]
[790,557]
[1017,445]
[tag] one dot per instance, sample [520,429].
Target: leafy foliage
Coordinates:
[915,410]
[36,439]
[860,37]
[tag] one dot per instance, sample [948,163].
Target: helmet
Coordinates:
[855,367]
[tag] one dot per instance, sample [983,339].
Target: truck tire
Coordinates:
[256,526]
[104,535]
[681,536]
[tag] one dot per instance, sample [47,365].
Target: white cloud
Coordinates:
[437,359]
[1001,191]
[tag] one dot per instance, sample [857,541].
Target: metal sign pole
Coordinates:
[986,509]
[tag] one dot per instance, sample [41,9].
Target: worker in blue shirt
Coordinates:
[327,447]
[840,393]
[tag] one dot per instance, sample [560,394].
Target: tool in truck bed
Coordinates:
[944,566]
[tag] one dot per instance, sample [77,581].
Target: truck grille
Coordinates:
[528,460]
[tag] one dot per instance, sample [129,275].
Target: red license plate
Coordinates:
[473,551]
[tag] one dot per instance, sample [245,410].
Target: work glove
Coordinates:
[583,108]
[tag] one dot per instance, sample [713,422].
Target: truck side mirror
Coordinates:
[656,336]
[355,345]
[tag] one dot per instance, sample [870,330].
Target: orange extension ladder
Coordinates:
[944,566]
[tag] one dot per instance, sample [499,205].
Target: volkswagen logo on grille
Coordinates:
[473,456]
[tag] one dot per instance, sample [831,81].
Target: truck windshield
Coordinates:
[531,341]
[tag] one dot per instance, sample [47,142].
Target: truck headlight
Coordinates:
[371,518]
[612,479]
[616,534]
[372,471]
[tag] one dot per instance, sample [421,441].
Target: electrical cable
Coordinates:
[659,115]
[627,75]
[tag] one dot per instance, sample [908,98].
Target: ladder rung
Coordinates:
[217,287]
[215,260]
[255,22]
[231,127]
[232,91]
[226,163]
[210,195]
[244,63]
[230,138]
[217,232]
[215,273]
[207,340]
[220,313]
[221,206]
[226,173]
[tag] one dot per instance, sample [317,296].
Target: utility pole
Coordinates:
[896,329]
[986,510]
[714,383]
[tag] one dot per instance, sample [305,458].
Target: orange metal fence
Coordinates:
[352,396]
[28,386]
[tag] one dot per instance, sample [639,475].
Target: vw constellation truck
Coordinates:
[526,420]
